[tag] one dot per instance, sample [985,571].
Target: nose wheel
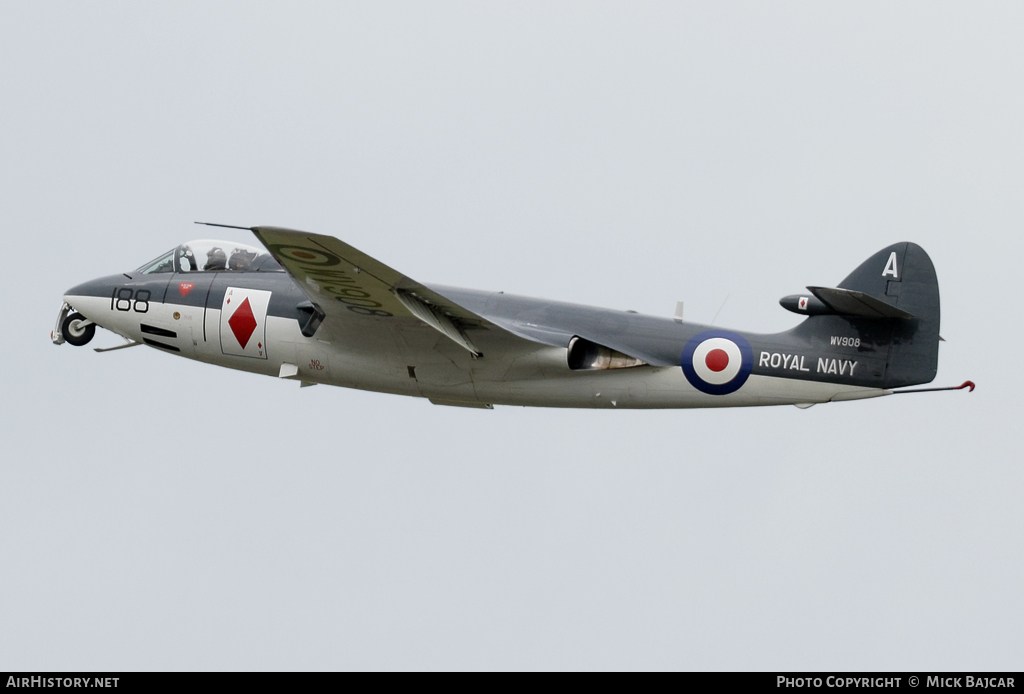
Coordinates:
[77,329]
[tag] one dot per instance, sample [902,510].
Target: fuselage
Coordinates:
[253,320]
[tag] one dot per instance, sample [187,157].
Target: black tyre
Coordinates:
[75,332]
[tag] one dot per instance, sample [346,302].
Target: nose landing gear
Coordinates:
[77,329]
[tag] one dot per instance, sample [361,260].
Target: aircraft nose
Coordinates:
[99,287]
[88,300]
[92,298]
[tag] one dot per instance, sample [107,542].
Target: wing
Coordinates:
[351,287]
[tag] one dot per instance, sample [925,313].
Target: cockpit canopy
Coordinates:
[207,255]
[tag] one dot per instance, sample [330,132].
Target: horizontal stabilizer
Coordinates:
[853,303]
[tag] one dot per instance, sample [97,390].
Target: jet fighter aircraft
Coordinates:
[311,308]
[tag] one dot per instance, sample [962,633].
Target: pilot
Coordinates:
[241,259]
[216,259]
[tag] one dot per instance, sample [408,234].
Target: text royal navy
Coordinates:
[795,362]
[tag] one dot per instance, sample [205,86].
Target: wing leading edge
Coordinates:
[345,282]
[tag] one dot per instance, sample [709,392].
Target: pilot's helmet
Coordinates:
[216,259]
[241,259]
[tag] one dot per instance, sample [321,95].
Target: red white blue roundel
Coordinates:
[717,362]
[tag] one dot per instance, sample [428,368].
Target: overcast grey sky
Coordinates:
[157,513]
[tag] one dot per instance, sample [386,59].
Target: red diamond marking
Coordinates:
[243,323]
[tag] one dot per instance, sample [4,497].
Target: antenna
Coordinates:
[720,308]
[226,226]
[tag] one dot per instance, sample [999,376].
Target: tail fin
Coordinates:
[902,277]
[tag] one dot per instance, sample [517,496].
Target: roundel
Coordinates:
[717,362]
[310,256]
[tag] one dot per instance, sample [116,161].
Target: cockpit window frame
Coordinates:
[241,258]
[153,266]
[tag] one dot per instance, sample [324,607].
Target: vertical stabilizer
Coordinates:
[900,276]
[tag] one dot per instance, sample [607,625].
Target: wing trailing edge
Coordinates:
[436,319]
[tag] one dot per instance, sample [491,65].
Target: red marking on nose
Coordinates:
[716,360]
